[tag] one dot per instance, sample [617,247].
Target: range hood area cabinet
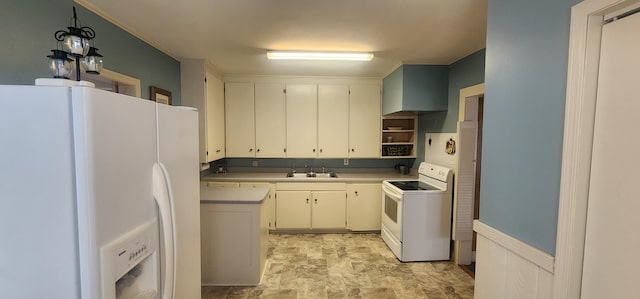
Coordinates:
[415,88]
[201,89]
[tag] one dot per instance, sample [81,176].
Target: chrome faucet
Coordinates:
[310,168]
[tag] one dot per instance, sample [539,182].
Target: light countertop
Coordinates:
[361,176]
[233,195]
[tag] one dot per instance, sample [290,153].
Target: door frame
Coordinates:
[463,252]
[587,19]
[131,84]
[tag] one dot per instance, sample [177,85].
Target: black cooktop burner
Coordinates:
[412,185]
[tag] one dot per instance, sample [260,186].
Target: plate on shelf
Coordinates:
[394,128]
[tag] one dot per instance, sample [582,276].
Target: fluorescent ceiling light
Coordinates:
[296,55]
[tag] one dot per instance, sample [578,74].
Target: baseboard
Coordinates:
[509,268]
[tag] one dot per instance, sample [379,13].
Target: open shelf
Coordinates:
[399,136]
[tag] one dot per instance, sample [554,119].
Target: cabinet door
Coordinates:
[329,209]
[302,120]
[193,94]
[270,120]
[333,119]
[293,210]
[364,121]
[364,206]
[239,118]
[215,118]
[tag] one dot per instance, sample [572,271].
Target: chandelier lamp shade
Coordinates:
[92,62]
[77,44]
[60,64]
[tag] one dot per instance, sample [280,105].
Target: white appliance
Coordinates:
[99,195]
[416,215]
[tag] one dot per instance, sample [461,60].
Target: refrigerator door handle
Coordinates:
[163,196]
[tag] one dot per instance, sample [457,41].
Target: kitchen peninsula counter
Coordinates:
[234,231]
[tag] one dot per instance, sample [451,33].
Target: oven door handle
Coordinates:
[392,193]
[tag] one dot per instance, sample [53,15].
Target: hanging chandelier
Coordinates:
[77,44]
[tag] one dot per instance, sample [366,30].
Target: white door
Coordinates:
[239,119]
[363,206]
[270,120]
[333,120]
[364,121]
[612,240]
[293,210]
[215,118]
[329,209]
[465,186]
[302,120]
[178,152]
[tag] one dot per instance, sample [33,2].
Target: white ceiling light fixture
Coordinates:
[299,55]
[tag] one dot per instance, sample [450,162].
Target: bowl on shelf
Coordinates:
[394,128]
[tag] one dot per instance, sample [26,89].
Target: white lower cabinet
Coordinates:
[310,206]
[328,209]
[269,203]
[364,206]
[293,209]
[307,206]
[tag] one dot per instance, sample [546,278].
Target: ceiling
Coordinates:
[234,35]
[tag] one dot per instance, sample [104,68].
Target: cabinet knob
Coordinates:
[217,151]
[321,150]
[258,150]
[316,200]
[307,200]
[314,150]
[250,150]
[356,193]
[353,150]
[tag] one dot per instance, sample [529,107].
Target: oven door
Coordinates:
[392,210]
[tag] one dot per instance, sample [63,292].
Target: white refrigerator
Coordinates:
[99,195]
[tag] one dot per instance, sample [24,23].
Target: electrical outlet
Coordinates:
[346,161]
[254,163]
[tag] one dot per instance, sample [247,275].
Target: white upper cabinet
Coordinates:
[364,121]
[202,90]
[239,116]
[333,118]
[270,119]
[215,118]
[302,120]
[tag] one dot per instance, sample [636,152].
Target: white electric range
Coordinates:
[416,215]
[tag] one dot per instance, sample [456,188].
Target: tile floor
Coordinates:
[347,266]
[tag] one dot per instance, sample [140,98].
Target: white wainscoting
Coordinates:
[509,268]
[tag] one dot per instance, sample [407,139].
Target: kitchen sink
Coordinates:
[312,175]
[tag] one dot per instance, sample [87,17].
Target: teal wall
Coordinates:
[27,38]
[463,73]
[526,69]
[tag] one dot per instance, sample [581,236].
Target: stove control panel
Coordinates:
[437,172]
